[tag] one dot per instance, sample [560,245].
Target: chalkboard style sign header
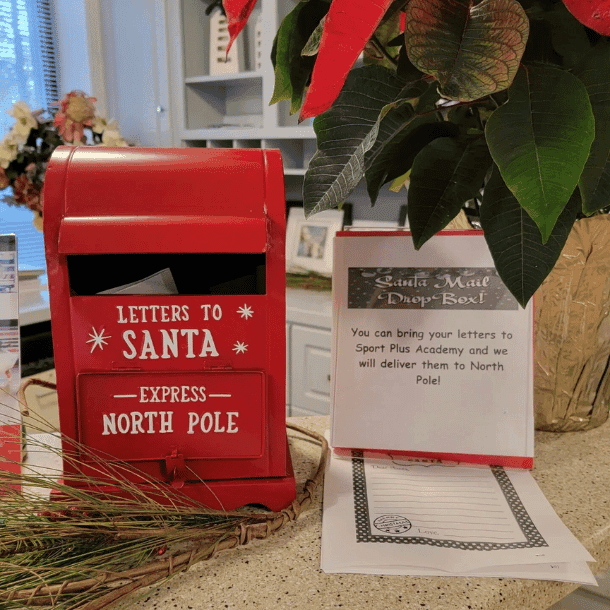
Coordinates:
[428,288]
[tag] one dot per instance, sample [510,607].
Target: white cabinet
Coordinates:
[131,71]
[308,339]
[309,370]
[231,110]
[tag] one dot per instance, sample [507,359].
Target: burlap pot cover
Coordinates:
[572,330]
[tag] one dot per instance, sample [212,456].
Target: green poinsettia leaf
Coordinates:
[387,30]
[473,50]
[445,174]
[468,118]
[428,101]
[539,48]
[397,146]
[568,36]
[540,140]
[594,181]
[523,261]
[405,69]
[312,46]
[349,129]
[292,69]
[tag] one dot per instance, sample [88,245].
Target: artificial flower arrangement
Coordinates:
[27,148]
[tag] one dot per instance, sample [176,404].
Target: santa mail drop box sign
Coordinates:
[167,286]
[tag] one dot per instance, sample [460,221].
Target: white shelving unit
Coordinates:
[231,110]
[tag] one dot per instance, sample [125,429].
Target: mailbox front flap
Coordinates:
[141,234]
[146,416]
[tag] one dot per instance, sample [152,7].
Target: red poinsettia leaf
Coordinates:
[473,50]
[595,14]
[237,12]
[348,27]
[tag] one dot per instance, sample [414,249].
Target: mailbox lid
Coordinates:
[205,200]
[105,181]
[149,416]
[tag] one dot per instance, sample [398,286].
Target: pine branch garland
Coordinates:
[88,552]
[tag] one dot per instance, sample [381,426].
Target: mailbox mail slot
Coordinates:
[167,284]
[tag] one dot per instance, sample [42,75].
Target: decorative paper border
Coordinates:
[363,522]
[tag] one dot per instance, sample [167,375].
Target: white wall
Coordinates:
[72,47]
[137,73]
[116,51]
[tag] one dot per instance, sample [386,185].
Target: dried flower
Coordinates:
[4,181]
[27,148]
[25,121]
[37,221]
[77,112]
[99,125]
[8,150]
[26,193]
[112,135]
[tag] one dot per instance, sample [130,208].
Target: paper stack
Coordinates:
[432,370]
[387,515]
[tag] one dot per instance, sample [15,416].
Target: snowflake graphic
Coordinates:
[245,311]
[240,347]
[98,339]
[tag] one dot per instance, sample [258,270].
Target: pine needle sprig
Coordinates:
[78,550]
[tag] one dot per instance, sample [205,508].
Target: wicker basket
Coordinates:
[572,353]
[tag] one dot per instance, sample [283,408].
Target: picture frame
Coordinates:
[373,225]
[309,242]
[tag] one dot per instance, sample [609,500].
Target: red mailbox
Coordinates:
[167,285]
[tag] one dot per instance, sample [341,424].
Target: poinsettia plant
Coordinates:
[27,148]
[511,97]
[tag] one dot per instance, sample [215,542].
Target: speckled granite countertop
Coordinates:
[283,572]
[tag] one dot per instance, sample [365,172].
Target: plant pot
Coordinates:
[572,333]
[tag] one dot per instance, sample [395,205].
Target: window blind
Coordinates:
[47,50]
[27,73]
[27,57]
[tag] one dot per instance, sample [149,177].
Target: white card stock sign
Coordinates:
[432,355]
